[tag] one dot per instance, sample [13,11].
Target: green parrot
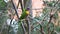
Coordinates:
[24,14]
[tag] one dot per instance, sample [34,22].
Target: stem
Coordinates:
[15,8]
[21,2]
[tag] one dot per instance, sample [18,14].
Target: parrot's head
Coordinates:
[27,11]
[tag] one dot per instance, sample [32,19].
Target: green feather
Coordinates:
[23,15]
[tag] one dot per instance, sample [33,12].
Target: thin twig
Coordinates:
[15,8]
[18,5]
[21,3]
[24,28]
[51,16]
[29,25]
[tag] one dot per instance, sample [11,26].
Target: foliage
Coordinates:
[37,22]
[2,4]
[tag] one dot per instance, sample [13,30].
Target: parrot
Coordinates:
[24,14]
